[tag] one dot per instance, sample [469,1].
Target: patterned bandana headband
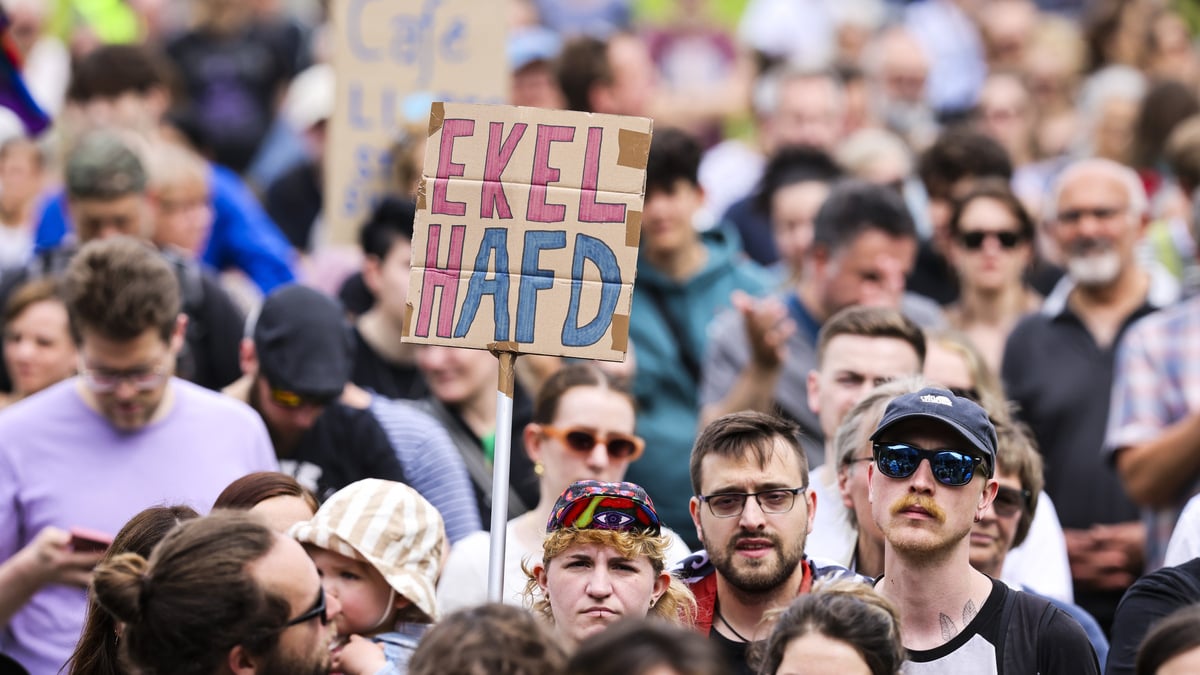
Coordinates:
[595,505]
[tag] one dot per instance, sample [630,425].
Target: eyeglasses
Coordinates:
[900,460]
[1010,501]
[1073,216]
[107,381]
[730,504]
[618,445]
[973,241]
[317,611]
[292,401]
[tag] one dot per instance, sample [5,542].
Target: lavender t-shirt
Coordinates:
[63,464]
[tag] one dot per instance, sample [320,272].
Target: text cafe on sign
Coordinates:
[527,230]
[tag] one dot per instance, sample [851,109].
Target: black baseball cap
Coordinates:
[303,342]
[962,415]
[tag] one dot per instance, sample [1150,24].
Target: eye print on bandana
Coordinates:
[613,520]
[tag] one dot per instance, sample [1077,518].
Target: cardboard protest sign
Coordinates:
[392,58]
[527,230]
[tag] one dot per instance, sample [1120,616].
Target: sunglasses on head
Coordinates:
[618,445]
[291,400]
[949,467]
[974,240]
[1010,501]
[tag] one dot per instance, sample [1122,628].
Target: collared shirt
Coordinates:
[1157,384]
[1061,379]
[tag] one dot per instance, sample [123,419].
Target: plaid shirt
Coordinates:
[1157,384]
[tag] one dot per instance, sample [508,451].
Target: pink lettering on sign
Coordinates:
[445,278]
[591,211]
[493,200]
[539,211]
[448,168]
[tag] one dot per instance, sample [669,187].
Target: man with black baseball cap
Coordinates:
[296,361]
[932,477]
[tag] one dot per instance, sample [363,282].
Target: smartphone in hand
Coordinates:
[84,540]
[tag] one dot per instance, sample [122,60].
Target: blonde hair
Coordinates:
[170,165]
[677,605]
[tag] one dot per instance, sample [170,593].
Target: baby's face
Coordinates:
[368,603]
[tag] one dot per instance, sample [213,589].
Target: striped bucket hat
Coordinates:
[391,527]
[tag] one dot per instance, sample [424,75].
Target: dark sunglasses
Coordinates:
[1010,501]
[317,611]
[618,445]
[292,401]
[973,241]
[900,460]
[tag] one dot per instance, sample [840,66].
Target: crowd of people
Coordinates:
[912,382]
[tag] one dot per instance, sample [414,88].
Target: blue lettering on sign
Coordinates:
[494,239]
[370,167]
[534,278]
[358,45]
[595,250]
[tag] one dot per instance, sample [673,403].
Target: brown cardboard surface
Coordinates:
[499,180]
[391,55]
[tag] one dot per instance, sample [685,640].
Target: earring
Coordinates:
[538,468]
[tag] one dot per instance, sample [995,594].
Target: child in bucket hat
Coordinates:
[378,545]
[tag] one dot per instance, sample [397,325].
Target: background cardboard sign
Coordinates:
[527,230]
[391,57]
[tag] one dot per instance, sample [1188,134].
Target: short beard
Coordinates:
[758,579]
[279,664]
[1096,270]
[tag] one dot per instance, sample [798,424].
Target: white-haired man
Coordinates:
[1058,365]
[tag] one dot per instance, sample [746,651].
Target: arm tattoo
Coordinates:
[969,612]
[949,630]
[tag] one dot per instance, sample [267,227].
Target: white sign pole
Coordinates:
[500,470]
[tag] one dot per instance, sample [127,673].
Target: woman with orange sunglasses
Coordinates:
[582,429]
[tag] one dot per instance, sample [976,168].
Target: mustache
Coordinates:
[920,501]
[1089,246]
[756,535]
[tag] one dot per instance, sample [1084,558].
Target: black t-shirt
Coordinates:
[735,653]
[232,82]
[294,201]
[1148,600]
[1028,636]
[388,379]
[343,446]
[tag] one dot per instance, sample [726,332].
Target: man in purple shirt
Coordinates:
[94,450]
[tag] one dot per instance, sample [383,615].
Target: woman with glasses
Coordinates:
[991,246]
[1006,522]
[604,560]
[582,429]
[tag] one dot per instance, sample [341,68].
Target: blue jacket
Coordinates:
[243,235]
[667,395]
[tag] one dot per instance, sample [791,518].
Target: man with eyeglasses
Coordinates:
[932,477]
[222,594]
[1058,367]
[107,195]
[753,511]
[297,361]
[94,450]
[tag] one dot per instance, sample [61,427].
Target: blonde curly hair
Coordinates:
[677,605]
